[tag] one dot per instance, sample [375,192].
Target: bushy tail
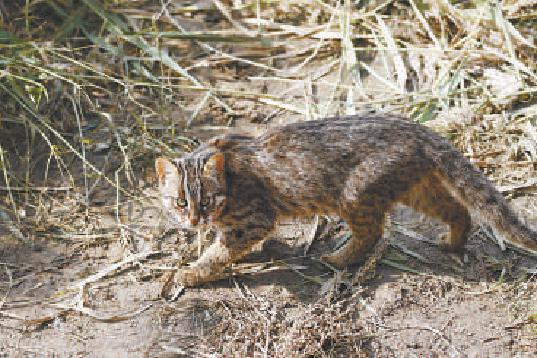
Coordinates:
[480,196]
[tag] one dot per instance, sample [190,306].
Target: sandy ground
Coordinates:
[421,303]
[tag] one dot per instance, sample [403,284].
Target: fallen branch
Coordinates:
[115,267]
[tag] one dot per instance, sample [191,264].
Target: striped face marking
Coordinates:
[192,188]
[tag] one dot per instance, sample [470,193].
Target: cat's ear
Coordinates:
[214,173]
[215,164]
[168,182]
[168,179]
[166,170]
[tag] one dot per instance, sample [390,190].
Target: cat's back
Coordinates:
[342,134]
[324,134]
[338,141]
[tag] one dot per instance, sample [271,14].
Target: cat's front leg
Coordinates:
[214,264]
[211,266]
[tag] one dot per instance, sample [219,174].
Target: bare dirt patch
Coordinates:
[420,303]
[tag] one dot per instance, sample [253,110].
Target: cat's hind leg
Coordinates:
[431,197]
[367,225]
[370,192]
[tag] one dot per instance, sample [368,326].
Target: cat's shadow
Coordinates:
[307,279]
[286,265]
[280,262]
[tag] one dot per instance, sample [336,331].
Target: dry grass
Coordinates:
[130,78]
[142,72]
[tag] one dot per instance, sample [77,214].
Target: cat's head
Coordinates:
[192,188]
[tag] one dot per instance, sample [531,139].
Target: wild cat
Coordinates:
[357,168]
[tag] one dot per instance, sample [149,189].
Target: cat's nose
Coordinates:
[194,219]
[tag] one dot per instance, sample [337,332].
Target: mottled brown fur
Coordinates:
[355,167]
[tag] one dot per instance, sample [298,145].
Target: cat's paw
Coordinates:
[335,260]
[188,277]
[194,276]
[446,245]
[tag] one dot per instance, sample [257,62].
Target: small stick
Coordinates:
[435,331]
[312,234]
[36,188]
[13,228]
[117,266]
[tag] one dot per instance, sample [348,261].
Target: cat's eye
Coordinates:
[181,203]
[205,202]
